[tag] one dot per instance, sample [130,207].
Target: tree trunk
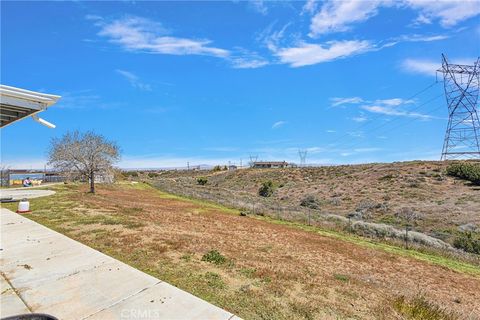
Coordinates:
[92,182]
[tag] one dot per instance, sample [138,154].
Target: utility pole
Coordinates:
[303,156]
[253,159]
[461,85]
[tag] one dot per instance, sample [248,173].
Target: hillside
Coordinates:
[260,268]
[377,193]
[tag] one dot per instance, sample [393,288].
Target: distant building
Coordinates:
[232,167]
[269,164]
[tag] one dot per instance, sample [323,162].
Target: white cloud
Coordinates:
[246,59]
[393,102]
[426,67]
[361,118]
[278,124]
[392,111]
[448,12]
[246,63]
[391,107]
[341,101]
[421,19]
[339,16]
[336,16]
[259,6]
[134,80]
[144,35]
[309,7]
[308,53]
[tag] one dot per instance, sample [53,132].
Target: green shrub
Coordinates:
[310,202]
[468,241]
[215,257]
[466,171]
[130,174]
[202,181]
[267,189]
[217,168]
[152,174]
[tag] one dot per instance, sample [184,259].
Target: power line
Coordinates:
[392,121]
[378,116]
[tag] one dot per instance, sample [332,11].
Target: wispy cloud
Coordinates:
[278,124]
[144,35]
[393,107]
[137,34]
[259,6]
[246,59]
[84,99]
[360,118]
[305,54]
[339,16]
[134,80]
[422,37]
[428,67]
[448,12]
[335,102]
[390,107]
[310,7]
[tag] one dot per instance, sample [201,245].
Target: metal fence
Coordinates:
[249,203]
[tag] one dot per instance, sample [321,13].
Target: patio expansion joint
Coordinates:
[121,300]
[16,291]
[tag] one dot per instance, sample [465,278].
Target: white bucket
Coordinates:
[23,206]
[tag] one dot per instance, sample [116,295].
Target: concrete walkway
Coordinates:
[29,193]
[46,272]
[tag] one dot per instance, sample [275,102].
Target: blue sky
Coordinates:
[212,82]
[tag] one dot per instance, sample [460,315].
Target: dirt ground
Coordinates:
[272,271]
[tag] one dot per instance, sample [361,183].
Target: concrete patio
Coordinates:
[44,271]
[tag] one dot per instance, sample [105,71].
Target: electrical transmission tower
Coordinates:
[253,159]
[462,86]
[303,156]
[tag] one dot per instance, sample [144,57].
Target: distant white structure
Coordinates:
[269,164]
[17,104]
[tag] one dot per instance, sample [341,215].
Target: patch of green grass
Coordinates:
[215,257]
[186,257]
[341,277]
[419,308]
[248,272]
[214,280]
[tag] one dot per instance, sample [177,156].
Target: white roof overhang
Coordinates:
[16,104]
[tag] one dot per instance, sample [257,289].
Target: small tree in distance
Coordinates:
[85,154]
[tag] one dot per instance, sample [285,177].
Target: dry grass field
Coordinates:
[259,268]
[380,192]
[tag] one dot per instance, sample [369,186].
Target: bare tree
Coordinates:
[85,154]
